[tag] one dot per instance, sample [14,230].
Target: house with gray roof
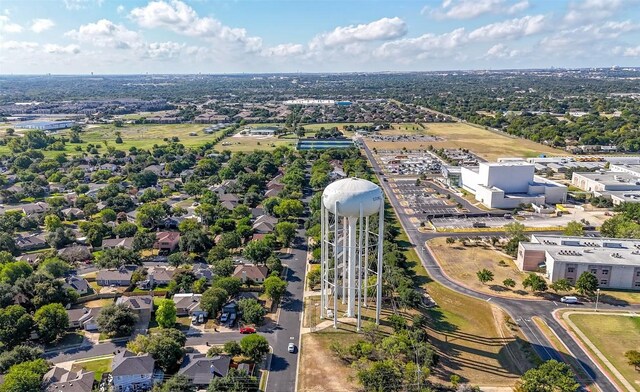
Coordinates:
[125,242]
[77,284]
[119,277]
[200,369]
[60,379]
[188,304]
[132,372]
[29,242]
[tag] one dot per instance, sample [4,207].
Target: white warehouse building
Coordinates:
[509,184]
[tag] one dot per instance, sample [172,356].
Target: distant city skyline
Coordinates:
[225,36]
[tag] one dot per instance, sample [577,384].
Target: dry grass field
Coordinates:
[462,262]
[600,328]
[249,143]
[486,144]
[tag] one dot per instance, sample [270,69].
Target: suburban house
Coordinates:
[200,369]
[167,241]
[160,276]
[257,273]
[73,213]
[35,208]
[84,318]
[125,242]
[119,277]
[75,253]
[202,270]
[77,284]
[132,372]
[188,304]
[142,305]
[60,379]
[29,242]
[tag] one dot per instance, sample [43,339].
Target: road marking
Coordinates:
[555,303]
[489,299]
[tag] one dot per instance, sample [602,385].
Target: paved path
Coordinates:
[520,311]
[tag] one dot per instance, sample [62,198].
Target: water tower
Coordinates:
[351,252]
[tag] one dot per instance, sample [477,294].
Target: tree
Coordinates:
[224,267]
[7,243]
[275,288]
[165,346]
[46,291]
[143,240]
[252,311]
[230,240]
[116,320]
[117,257]
[484,276]
[509,283]
[229,284]
[125,229]
[15,325]
[633,358]
[286,232]
[19,354]
[514,229]
[25,377]
[177,383]
[561,285]
[52,321]
[254,346]
[194,241]
[380,376]
[574,228]
[587,284]
[450,240]
[11,272]
[313,278]
[151,215]
[549,376]
[257,251]
[166,313]
[200,285]
[54,267]
[234,381]
[535,283]
[213,299]
[59,238]
[52,222]
[289,208]
[232,348]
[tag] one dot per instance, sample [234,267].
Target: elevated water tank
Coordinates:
[351,193]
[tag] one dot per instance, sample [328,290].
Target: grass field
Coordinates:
[600,328]
[462,262]
[249,143]
[486,144]
[98,366]
[142,136]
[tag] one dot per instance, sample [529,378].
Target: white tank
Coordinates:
[350,193]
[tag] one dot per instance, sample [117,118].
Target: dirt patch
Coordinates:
[329,373]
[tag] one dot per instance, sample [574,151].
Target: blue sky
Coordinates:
[225,36]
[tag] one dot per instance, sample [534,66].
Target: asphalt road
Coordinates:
[520,310]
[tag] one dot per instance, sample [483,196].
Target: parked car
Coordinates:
[569,300]
[194,319]
[201,318]
[247,330]
[291,348]
[224,317]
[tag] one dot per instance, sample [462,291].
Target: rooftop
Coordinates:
[587,250]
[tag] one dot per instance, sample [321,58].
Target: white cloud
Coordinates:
[381,29]
[182,19]
[8,27]
[284,50]
[422,44]
[468,9]
[632,52]
[105,33]
[120,9]
[80,4]
[40,25]
[510,29]
[59,49]
[18,45]
[163,50]
[501,51]
[583,11]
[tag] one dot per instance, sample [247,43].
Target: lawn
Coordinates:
[600,328]
[98,366]
[462,262]
[487,144]
[68,340]
[250,143]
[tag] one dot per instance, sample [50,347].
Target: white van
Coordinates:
[569,300]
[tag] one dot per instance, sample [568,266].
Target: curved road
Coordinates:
[520,311]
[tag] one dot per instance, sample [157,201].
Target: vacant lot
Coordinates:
[142,136]
[249,143]
[462,262]
[320,370]
[600,328]
[486,144]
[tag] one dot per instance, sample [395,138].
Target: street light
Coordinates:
[597,298]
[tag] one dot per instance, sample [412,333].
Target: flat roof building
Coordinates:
[45,125]
[323,144]
[614,261]
[620,184]
[509,184]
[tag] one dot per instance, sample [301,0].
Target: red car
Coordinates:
[247,330]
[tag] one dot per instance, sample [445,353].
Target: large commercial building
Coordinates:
[509,184]
[621,183]
[615,262]
[45,125]
[323,144]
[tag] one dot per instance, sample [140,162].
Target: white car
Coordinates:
[291,348]
[569,300]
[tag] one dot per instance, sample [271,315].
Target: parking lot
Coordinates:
[467,223]
[421,201]
[404,163]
